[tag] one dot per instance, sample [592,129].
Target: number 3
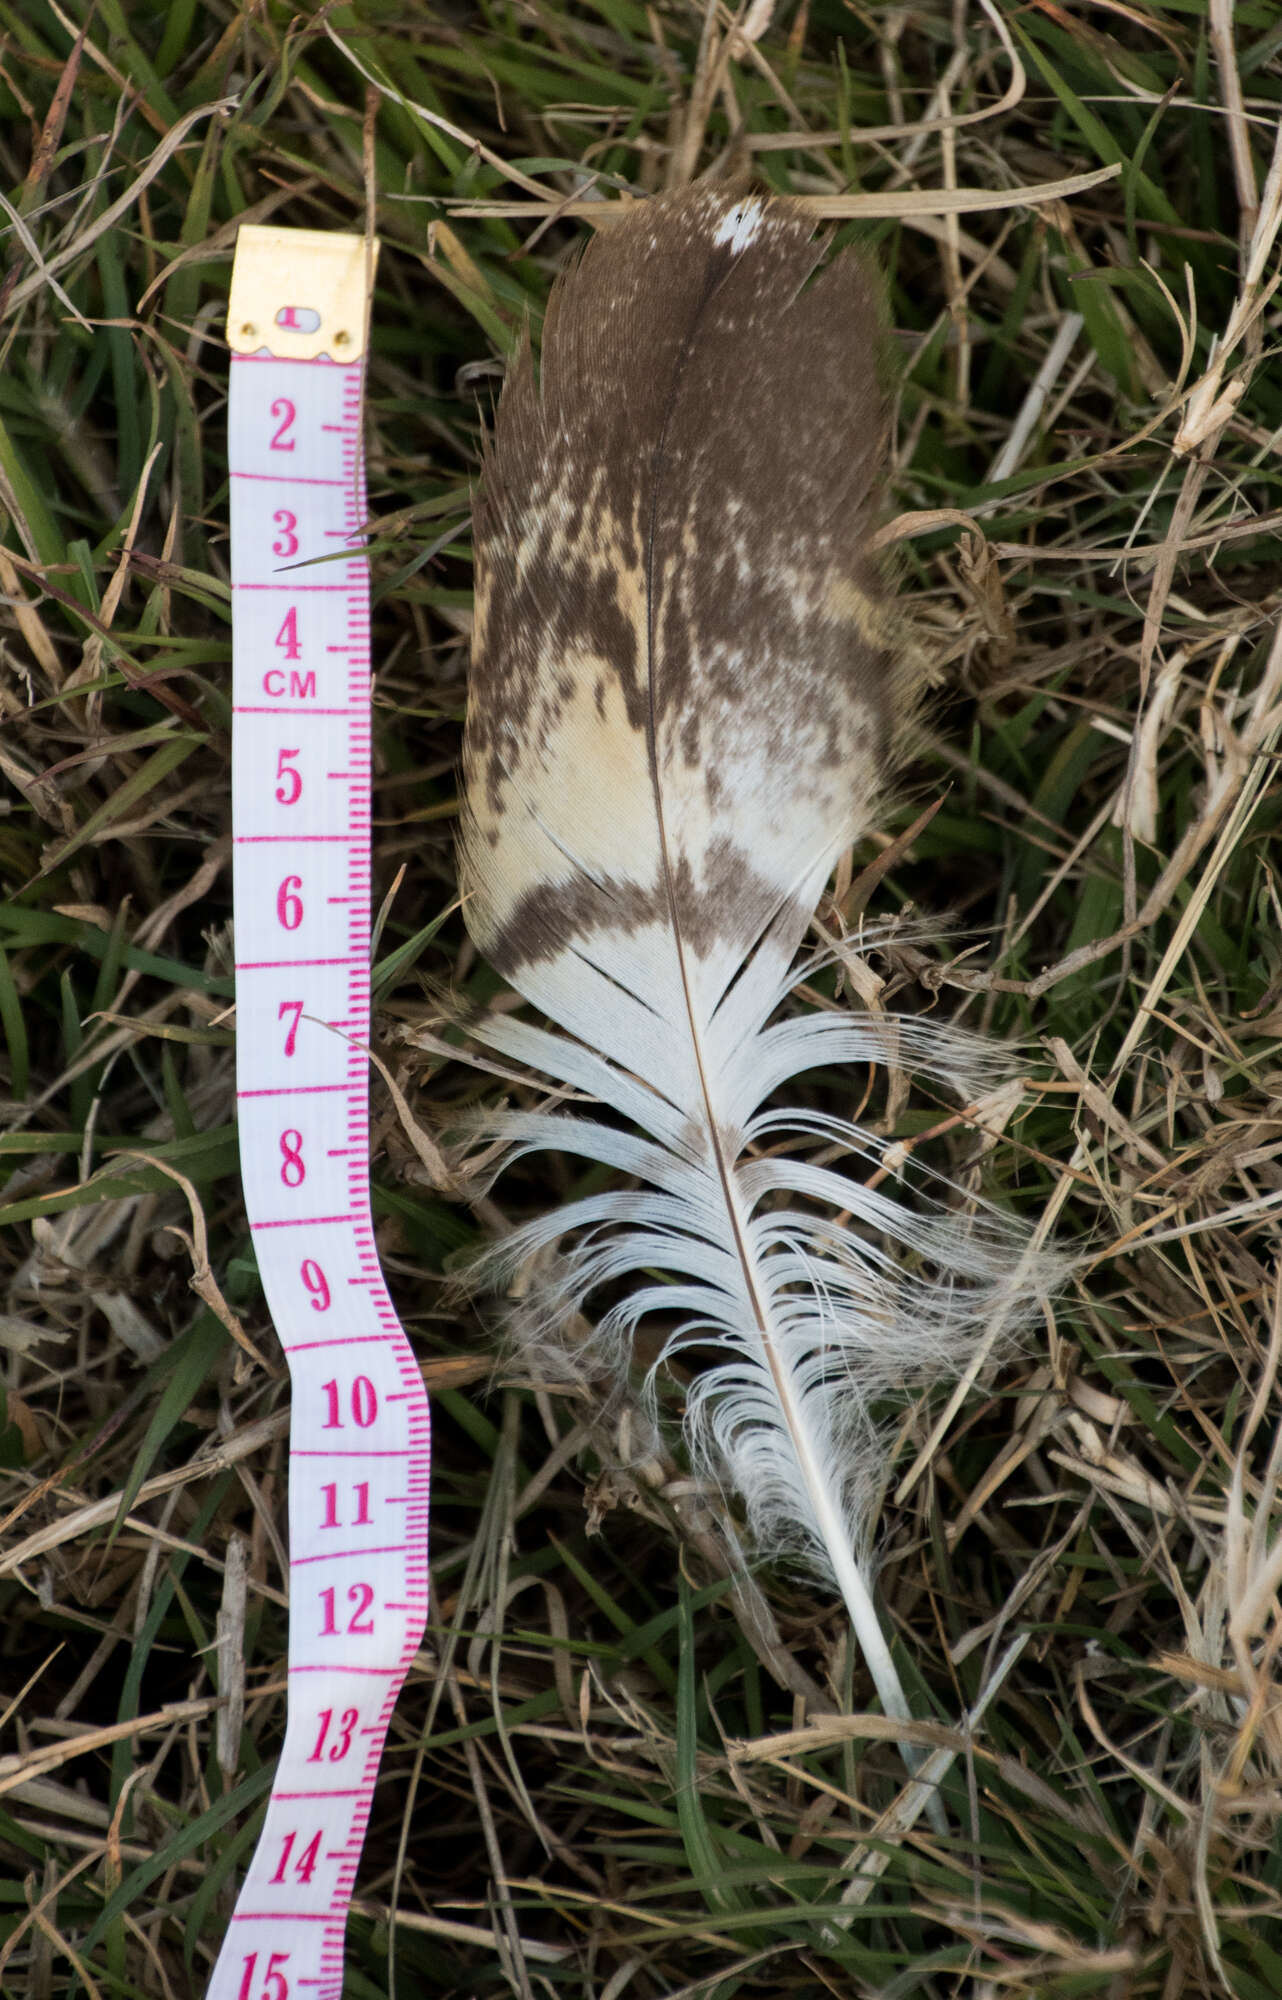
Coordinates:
[286,522]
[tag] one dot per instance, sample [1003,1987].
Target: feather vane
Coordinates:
[686,697]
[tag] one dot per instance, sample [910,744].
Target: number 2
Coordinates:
[281,440]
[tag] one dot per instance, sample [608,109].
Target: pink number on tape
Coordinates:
[358,1475]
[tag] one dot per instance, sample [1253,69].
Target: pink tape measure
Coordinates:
[301,786]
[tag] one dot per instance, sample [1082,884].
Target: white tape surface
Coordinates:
[358,1476]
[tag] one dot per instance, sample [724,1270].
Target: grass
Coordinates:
[604,1779]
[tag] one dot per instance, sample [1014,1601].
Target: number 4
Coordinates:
[287,638]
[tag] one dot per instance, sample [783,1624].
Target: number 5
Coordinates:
[289,785]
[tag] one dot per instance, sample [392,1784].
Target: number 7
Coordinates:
[294,1007]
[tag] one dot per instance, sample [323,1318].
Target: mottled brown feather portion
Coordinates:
[674,581]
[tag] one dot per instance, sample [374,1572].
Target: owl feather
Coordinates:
[687,697]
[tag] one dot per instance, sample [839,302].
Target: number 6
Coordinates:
[289,904]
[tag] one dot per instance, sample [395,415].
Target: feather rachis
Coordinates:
[685,702]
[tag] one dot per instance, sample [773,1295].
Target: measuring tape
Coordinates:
[358,1449]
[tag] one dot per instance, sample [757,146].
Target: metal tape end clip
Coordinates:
[300,293]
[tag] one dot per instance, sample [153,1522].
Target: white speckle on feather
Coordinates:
[740,226]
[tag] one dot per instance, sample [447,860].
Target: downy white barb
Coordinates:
[686,699]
